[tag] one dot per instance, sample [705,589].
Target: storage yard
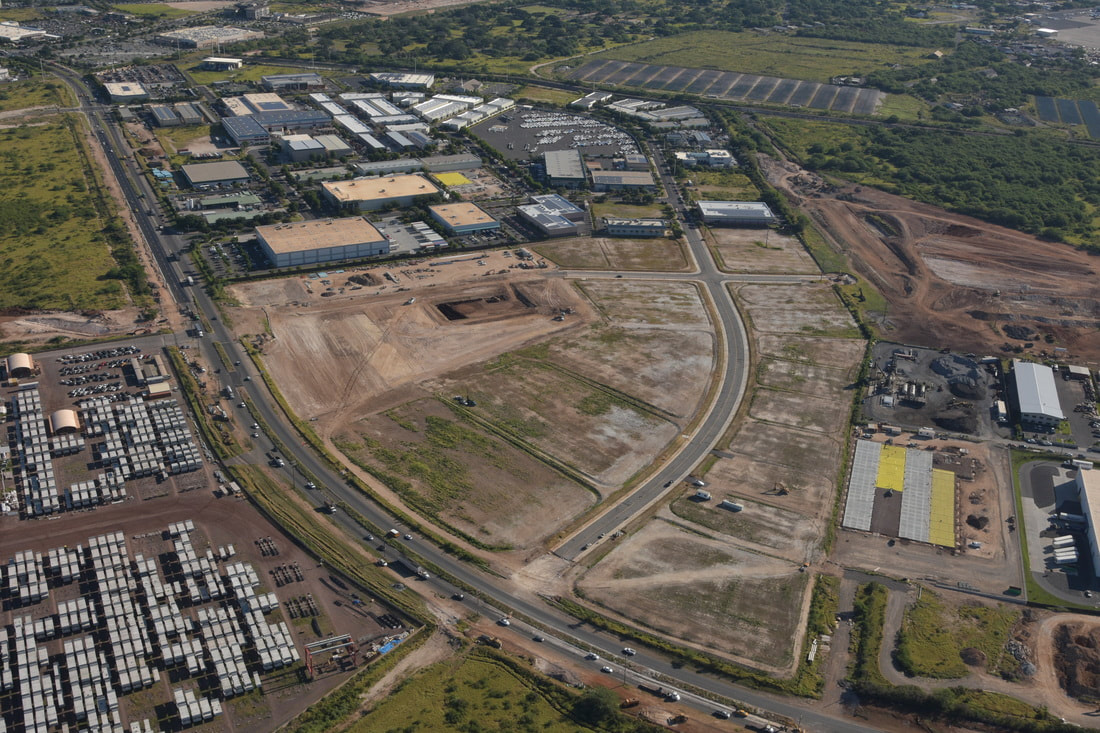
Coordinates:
[526,133]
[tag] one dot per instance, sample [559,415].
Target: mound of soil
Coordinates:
[973,657]
[977,522]
[957,421]
[954,366]
[363,279]
[966,388]
[1077,660]
[1018,332]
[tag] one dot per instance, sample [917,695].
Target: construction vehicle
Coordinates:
[629,702]
[489,641]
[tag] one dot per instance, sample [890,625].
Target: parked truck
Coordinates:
[1063,541]
[393,533]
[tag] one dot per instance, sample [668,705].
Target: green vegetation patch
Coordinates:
[546,95]
[1025,181]
[717,185]
[55,242]
[36,92]
[934,637]
[485,691]
[769,54]
[154,10]
[174,139]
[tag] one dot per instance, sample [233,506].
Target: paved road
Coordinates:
[500,598]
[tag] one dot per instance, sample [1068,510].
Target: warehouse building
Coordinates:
[220,63]
[206,36]
[322,240]
[334,145]
[445,163]
[404,81]
[547,221]
[245,131]
[1088,491]
[371,194]
[20,366]
[635,227]
[589,101]
[560,206]
[1036,394]
[293,82]
[622,180]
[299,148]
[564,168]
[164,116]
[211,175]
[736,213]
[126,92]
[236,202]
[256,103]
[463,218]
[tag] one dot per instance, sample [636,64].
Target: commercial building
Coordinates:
[371,194]
[236,201]
[299,148]
[317,241]
[12,32]
[210,175]
[463,218]
[292,82]
[547,221]
[220,63]
[404,81]
[736,213]
[445,163]
[589,101]
[164,116]
[255,103]
[206,36]
[635,227]
[564,168]
[603,180]
[1088,491]
[1036,394]
[126,92]
[334,145]
[245,131]
[560,206]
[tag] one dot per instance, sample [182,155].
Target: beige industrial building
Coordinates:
[20,366]
[64,421]
[463,218]
[371,194]
[322,240]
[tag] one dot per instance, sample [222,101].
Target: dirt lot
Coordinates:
[810,309]
[952,280]
[763,251]
[599,253]
[703,591]
[464,475]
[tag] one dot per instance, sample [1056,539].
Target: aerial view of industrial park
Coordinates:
[611,366]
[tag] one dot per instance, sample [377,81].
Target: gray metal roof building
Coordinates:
[214,174]
[1036,393]
[245,130]
[744,213]
[564,167]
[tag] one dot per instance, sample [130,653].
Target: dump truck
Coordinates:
[629,702]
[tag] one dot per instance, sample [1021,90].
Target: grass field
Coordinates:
[249,72]
[54,253]
[37,92]
[933,634]
[813,59]
[173,139]
[467,693]
[722,186]
[21,15]
[626,211]
[153,10]
[549,96]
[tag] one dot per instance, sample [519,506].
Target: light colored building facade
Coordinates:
[1036,394]
[371,194]
[320,240]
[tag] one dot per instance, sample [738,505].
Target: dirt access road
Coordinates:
[952,280]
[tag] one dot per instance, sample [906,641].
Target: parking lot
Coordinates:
[527,132]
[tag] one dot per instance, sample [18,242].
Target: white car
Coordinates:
[606,670]
[629,652]
[592,657]
[505,621]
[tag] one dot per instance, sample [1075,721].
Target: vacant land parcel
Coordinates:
[54,254]
[598,253]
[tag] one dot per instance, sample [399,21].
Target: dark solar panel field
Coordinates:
[1070,112]
[730,85]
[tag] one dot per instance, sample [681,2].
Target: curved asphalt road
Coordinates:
[566,630]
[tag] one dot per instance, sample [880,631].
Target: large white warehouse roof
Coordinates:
[1036,389]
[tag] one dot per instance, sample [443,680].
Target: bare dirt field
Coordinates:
[673,378]
[763,251]
[654,303]
[603,436]
[465,475]
[600,253]
[811,309]
[951,280]
[827,352]
[703,591]
[362,346]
